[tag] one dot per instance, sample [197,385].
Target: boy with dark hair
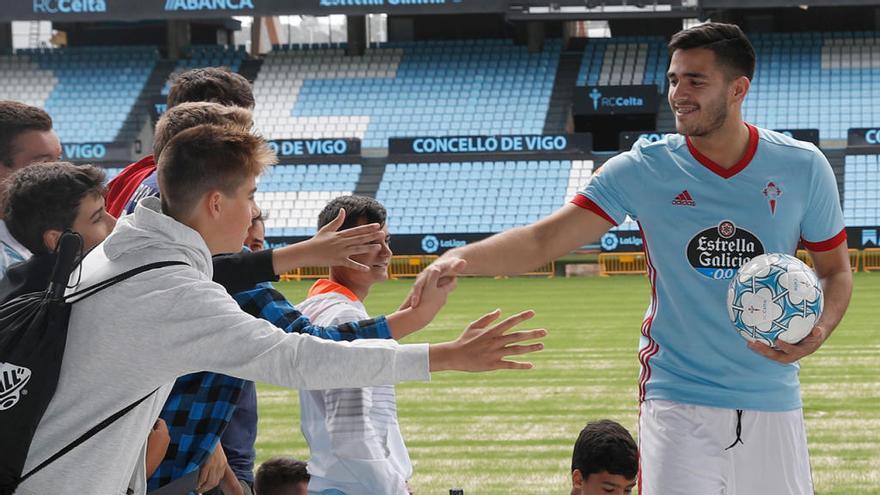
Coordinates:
[132,342]
[354,450]
[282,476]
[605,460]
[714,409]
[26,137]
[40,203]
[214,84]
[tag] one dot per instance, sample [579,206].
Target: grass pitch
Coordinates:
[512,432]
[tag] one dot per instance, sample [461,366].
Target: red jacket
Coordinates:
[123,186]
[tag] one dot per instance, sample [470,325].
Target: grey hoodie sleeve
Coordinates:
[207,331]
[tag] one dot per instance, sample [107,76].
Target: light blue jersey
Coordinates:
[700,222]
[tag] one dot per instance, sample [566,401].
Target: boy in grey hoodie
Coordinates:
[138,337]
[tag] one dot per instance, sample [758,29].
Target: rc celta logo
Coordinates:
[69,6]
[172,5]
[614,101]
[595,95]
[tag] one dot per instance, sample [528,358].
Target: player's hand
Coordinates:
[435,290]
[212,470]
[484,348]
[332,248]
[443,271]
[789,353]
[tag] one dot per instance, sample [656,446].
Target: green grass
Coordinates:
[512,432]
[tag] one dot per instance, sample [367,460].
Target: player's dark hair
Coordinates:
[213,84]
[47,196]
[357,209]
[278,473]
[16,118]
[605,446]
[731,46]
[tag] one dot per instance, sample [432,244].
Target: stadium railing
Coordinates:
[854,257]
[622,264]
[871,259]
[409,266]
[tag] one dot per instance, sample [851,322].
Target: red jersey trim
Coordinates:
[325,286]
[588,204]
[825,245]
[738,167]
[653,347]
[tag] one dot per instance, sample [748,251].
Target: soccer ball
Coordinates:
[774,296]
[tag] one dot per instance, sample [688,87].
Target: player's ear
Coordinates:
[739,88]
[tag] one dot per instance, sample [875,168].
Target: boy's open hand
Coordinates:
[331,248]
[484,348]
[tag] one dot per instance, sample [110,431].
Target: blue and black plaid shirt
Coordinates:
[201,404]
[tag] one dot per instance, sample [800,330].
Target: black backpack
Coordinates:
[33,334]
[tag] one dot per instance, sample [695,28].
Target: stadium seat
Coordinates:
[406,89]
[478,196]
[293,195]
[88,91]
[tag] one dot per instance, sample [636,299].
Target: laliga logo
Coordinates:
[12,381]
[430,244]
[171,5]
[610,241]
[69,6]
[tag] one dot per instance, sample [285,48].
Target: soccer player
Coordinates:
[605,460]
[126,346]
[717,415]
[354,450]
[26,137]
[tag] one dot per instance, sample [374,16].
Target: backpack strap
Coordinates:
[87,435]
[90,291]
[78,296]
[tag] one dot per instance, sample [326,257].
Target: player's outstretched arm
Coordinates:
[520,249]
[329,247]
[412,319]
[482,347]
[834,272]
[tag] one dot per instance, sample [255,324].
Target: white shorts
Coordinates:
[693,450]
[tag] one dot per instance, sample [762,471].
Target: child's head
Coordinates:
[282,476]
[207,175]
[605,460]
[187,115]
[26,137]
[360,210]
[214,84]
[46,198]
[256,235]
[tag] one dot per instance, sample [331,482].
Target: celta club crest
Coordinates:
[772,192]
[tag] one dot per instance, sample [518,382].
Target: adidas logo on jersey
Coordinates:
[684,199]
[12,379]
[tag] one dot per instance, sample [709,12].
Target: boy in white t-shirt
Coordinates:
[353,434]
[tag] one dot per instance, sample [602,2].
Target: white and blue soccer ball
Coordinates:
[774,296]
